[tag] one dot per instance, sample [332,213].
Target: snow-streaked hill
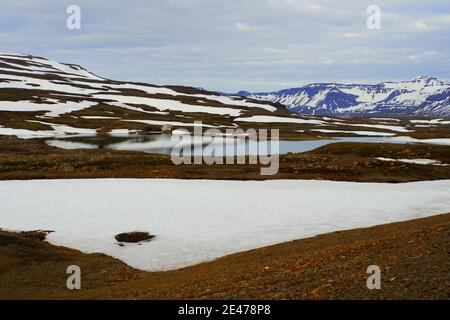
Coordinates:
[43,98]
[40,90]
[420,96]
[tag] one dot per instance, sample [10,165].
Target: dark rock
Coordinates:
[134,237]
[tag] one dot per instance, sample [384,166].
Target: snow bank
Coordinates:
[415,161]
[440,141]
[55,107]
[360,133]
[196,221]
[431,122]
[59,130]
[376,126]
[276,119]
[164,104]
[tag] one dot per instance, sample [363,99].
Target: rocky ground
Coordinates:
[412,255]
[33,159]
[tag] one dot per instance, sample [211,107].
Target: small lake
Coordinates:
[164,144]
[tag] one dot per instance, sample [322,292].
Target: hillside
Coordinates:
[43,98]
[412,256]
[42,95]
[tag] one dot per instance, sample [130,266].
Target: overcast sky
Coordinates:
[232,45]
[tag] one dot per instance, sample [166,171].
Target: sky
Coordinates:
[254,45]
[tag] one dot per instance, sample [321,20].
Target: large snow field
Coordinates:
[199,220]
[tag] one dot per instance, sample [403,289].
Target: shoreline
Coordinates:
[412,256]
[340,161]
[195,220]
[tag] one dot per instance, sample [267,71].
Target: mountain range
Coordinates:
[41,97]
[422,96]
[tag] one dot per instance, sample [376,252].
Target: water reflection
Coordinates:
[164,143]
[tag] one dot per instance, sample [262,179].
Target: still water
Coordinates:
[164,144]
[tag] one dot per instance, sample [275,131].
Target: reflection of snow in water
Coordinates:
[164,144]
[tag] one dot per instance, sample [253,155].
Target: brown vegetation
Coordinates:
[33,159]
[412,256]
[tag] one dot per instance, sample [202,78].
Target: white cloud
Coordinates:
[233,45]
[421,25]
[423,55]
[245,27]
[313,6]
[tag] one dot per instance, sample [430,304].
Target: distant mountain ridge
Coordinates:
[423,95]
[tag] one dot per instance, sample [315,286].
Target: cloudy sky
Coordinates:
[256,45]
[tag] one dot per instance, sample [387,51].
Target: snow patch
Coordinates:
[361,133]
[196,221]
[415,161]
[275,119]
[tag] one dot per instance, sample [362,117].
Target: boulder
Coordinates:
[134,237]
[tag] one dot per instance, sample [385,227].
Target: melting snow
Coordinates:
[59,130]
[431,122]
[275,119]
[172,123]
[53,106]
[361,133]
[378,126]
[441,141]
[164,104]
[196,221]
[415,161]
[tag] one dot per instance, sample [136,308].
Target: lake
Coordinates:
[164,144]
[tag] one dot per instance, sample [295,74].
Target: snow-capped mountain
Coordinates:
[420,96]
